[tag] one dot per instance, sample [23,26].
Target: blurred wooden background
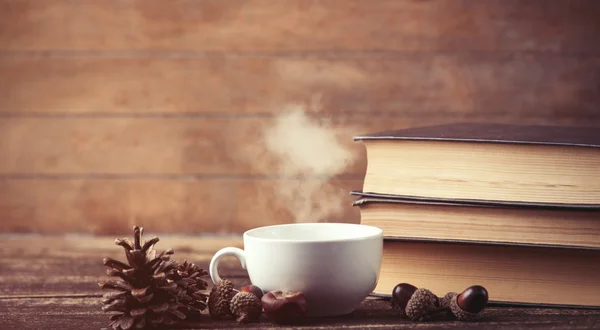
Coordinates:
[121,111]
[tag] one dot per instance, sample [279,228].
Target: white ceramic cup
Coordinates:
[335,265]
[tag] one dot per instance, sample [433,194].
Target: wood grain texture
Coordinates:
[495,87]
[30,298]
[108,206]
[159,146]
[299,25]
[85,313]
[194,206]
[61,265]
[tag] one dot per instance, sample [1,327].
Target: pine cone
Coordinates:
[189,280]
[219,299]
[152,290]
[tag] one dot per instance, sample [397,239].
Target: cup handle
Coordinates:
[225,252]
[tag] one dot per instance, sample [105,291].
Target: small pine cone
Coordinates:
[459,313]
[421,303]
[219,299]
[246,307]
[188,277]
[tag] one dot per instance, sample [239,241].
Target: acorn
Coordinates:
[467,305]
[445,302]
[284,307]
[246,307]
[253,289]
[421,305]
[220,297]
[400,296]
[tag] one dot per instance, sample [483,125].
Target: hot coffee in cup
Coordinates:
[335,265]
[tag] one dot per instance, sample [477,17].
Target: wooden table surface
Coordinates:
[51,283]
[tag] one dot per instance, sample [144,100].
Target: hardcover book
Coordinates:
[486,163]
[430,219]
[512,274]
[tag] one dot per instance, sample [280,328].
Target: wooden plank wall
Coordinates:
[121,111]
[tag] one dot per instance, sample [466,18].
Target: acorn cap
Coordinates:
[461,314]
[421,303]
[398,308]
[447,299]
[219,299]
[246,307]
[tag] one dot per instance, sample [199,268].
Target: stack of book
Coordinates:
[513,208]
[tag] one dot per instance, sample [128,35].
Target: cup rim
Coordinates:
[378,232]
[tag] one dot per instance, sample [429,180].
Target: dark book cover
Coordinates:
[497,133]
[464,202]
[490,243]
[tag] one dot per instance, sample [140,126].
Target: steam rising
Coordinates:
[305,147]
[303,154]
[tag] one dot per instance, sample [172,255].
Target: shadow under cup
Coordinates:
[335,265]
